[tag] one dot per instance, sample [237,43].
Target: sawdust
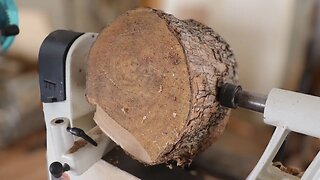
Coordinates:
[160,89]
[174,115]
[290,170]
[77,145]
[124,110]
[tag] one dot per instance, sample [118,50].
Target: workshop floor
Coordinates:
[25,159]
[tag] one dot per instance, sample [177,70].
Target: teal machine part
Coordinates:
[8,16]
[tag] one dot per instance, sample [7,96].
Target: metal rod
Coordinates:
[252,101]
[233,96]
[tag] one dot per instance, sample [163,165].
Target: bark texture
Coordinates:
[154,80]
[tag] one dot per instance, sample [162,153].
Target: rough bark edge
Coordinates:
[205,112]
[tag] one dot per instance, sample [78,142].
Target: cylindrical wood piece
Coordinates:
[154,81]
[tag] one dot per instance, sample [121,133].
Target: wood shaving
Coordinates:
[290,170]
[160,89]
[174,115]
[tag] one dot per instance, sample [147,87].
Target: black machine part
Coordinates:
[52,64]
[232,96]
[57,169]
[10,30]
[80,133]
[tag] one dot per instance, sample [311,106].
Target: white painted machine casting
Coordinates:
[287,111]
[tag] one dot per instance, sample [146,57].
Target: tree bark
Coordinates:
[154,80]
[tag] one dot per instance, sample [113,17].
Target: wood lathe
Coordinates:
[159,87]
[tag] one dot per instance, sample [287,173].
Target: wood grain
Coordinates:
[154,79]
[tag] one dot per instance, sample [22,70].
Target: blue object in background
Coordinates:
[8,16]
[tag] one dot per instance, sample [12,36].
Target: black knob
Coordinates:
[56,169]
[10,30]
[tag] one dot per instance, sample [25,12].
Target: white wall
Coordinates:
[259,31]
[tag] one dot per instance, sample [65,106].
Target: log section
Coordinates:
[154,79]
